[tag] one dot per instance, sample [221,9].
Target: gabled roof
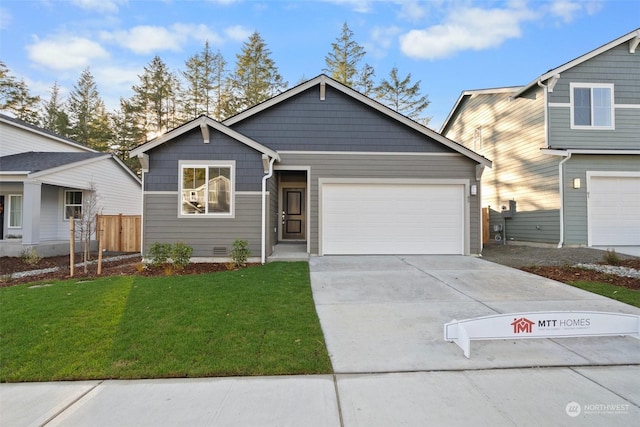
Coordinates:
[467,93]
[633,38]
[43,132]
[202,122]
[323,79]
[31,162]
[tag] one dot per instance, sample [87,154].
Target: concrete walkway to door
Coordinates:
[386,314]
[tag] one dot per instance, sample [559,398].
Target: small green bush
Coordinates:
[611,257]
[181,254]
[240,252]
[159,253]
[30,256]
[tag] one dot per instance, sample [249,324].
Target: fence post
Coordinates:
[120,245]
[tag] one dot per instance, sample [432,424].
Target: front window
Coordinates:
[592,106]
[72,204]
[206,189]
[15,210]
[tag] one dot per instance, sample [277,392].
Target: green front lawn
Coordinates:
[255,321]
[619,293]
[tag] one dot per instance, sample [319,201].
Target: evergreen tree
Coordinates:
[402,96]
[256,76]
[204,76]
[366,85]
[155,99]
[54,117]
[342,62]
[127,135]
[87,114]
[15,97]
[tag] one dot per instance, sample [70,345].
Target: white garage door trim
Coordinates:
[458,187]
[611,220]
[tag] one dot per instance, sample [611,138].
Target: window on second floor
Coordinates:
[592,106]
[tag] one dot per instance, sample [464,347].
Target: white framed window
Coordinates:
[207,188]
[592,106]
[15,210]
[72,204]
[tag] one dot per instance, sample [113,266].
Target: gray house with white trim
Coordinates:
[565,148]
[319,164]
[45,179]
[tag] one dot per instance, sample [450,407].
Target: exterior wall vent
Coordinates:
[220,251]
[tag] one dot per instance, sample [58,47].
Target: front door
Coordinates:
[293,214]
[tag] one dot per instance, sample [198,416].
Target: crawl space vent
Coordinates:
[220,251]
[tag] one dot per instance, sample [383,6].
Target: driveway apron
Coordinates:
[383,314]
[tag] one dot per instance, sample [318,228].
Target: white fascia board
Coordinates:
[203,120]
[46,135]
[579,60]
[466,93]
[68,166]
[126,169]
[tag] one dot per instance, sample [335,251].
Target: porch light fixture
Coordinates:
[474,190]
[576,183]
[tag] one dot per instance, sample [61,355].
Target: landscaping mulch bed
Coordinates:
[123,267]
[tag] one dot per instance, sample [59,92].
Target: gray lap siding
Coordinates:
[162,224]
[331,165]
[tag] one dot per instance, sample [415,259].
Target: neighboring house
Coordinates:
[319,163]
[565,149]
[45,179]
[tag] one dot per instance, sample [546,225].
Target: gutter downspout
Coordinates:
[269,174]
[561,179]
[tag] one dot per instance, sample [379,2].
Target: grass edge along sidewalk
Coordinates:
[254,321]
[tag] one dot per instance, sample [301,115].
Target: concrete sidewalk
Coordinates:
[383,321]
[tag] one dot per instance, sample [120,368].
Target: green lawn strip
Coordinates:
[255,321]
[619,293]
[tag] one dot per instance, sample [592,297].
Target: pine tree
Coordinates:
[54,116]
[87,114]
[155,99]
[342,62]
[366,85]
[205,72]
[401,96]
[15,97]
[256,77]
[127,135]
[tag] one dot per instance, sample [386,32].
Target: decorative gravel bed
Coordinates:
[612,269]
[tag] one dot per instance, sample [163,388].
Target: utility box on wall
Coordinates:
[511,211]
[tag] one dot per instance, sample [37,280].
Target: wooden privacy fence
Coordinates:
[486,224]
[120,233]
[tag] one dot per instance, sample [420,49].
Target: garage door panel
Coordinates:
[392,219]
[614,210]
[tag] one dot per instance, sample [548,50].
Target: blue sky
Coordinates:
[449,45]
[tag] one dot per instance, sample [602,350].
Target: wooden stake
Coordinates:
[72,245]
[100,239]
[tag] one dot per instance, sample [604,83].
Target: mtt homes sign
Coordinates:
[540,324]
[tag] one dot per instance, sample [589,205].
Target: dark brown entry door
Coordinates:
[293,214]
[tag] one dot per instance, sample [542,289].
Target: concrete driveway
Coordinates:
[386,314]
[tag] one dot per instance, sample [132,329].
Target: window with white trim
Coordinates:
[592,106]
[72,204]
[15,210]
[206,189]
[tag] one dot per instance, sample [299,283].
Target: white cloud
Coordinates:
[412,10]
[360,6]
[565,9]
[65,52]
[5,18]
[145,39]
[237,33]
[381,40]
[111,6]
[465,29]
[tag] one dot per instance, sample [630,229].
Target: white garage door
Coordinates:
[392,219]
[614,210]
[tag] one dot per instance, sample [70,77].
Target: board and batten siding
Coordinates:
[511,133]
[615,66]
[391,166]
[576,199]
[203,234]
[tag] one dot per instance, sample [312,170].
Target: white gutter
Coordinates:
[560,178]
[269,174]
